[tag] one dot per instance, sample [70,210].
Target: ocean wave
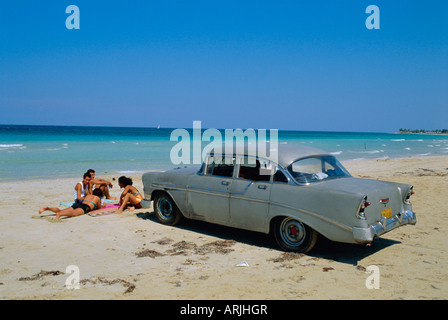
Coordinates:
[398,140]
[336,153]
[373,151]
[128,171]
[13,146]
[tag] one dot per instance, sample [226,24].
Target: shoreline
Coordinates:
[137,173]
[132,256]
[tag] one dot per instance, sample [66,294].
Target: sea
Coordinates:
[49,152]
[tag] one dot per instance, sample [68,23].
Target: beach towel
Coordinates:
[113,208]
[103,213]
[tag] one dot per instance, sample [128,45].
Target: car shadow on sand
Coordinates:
[340,252]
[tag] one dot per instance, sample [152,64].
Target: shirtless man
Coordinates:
[101,184]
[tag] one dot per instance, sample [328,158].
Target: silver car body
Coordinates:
[336,208]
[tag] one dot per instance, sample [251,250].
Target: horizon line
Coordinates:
[173,128]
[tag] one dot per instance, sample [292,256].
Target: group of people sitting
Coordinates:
[89,193]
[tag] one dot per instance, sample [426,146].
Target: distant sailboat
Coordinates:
[158,126]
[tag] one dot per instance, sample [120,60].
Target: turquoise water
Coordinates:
[31,152]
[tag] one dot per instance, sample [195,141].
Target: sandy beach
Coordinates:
[132,256]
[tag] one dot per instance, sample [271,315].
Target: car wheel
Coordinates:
[166,210]
[292,235]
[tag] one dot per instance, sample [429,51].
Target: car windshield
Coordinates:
[315,169]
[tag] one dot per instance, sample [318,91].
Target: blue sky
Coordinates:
[295,65]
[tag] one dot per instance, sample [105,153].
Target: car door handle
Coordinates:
[262,187]
[225,183]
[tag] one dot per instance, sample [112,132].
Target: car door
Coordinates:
[249,195]
[208,193]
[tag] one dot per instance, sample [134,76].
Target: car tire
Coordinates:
[294,236]
[166,210]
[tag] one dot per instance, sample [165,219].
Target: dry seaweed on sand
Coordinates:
[219,246]
[287,256]
[40,275]
[130,286]
[149,253]
[164,241]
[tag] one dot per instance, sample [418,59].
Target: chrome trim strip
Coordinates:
[358,211]
[225,195]
[249,199]
[169,185]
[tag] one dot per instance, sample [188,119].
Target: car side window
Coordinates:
[255,169]
[221,166]
[280,177]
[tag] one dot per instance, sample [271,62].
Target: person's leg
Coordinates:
[70,212]
[129,199]
[105,189]
[55,210]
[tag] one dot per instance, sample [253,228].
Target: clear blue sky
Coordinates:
[299,65]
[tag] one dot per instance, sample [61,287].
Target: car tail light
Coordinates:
[407,198]
[360,214]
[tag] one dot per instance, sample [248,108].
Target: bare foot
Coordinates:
[42,209]
[119,211]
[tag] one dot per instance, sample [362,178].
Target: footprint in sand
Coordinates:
[48,218]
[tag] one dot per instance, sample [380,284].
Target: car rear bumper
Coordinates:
[365,235]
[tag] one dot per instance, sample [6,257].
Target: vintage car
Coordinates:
[305,193]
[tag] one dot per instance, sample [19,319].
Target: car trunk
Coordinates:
[385,198]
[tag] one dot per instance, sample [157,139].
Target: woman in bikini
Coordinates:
[91,202]
[130,195]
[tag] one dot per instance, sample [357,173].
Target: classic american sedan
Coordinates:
[305,193]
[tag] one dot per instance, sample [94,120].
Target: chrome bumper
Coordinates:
[363,235]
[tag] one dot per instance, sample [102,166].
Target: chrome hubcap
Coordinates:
[292,232]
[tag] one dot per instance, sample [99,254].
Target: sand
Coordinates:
[131,256]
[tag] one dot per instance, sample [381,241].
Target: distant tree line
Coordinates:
[423,131]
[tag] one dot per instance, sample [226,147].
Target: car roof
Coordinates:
[287,153]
